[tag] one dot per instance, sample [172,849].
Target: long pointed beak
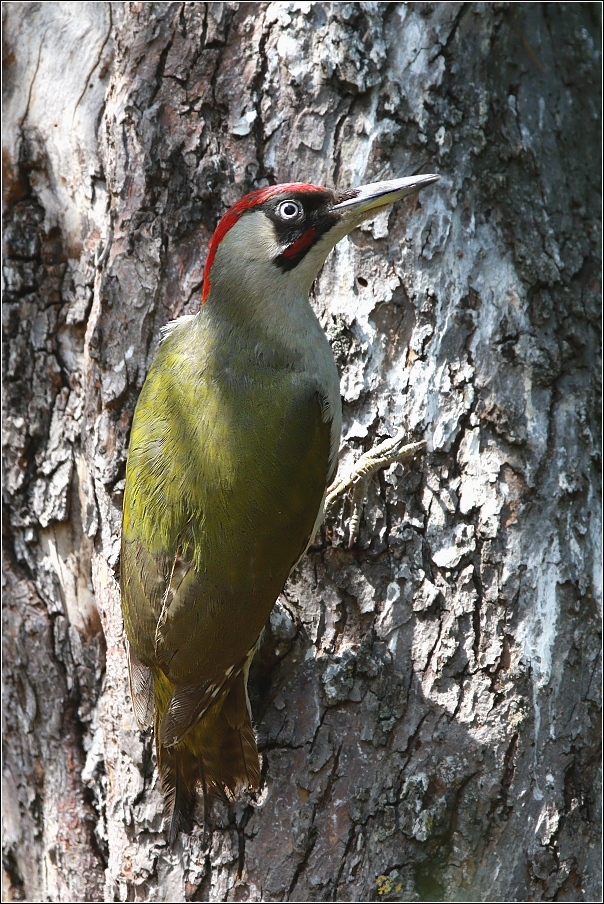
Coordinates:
[359,203]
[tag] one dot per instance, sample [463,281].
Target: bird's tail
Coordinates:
[179,772]
[219,753]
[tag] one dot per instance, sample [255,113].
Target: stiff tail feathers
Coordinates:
[238,757]
[179,772]
[219,753]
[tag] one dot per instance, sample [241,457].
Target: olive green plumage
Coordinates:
[234,442]
[227,467]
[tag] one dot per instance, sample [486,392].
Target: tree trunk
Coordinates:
[426,701]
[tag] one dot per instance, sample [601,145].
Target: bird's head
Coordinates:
[275,240]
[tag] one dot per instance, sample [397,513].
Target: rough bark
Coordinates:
[427,701]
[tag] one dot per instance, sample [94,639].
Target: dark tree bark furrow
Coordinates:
[427,702]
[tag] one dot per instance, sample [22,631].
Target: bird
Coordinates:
[234,442]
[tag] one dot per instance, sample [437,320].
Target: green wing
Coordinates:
[224,481]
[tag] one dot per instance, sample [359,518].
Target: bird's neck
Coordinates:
[276,323]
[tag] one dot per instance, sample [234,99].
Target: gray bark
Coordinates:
[427,701]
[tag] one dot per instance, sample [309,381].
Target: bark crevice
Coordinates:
[426,703]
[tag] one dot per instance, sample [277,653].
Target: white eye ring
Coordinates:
[289,210]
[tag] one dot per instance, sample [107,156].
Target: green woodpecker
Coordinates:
[234,442]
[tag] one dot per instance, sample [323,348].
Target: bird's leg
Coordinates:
[382,456]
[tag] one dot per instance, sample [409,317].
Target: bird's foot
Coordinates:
[381,456]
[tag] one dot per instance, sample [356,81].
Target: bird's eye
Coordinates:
[289,210]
